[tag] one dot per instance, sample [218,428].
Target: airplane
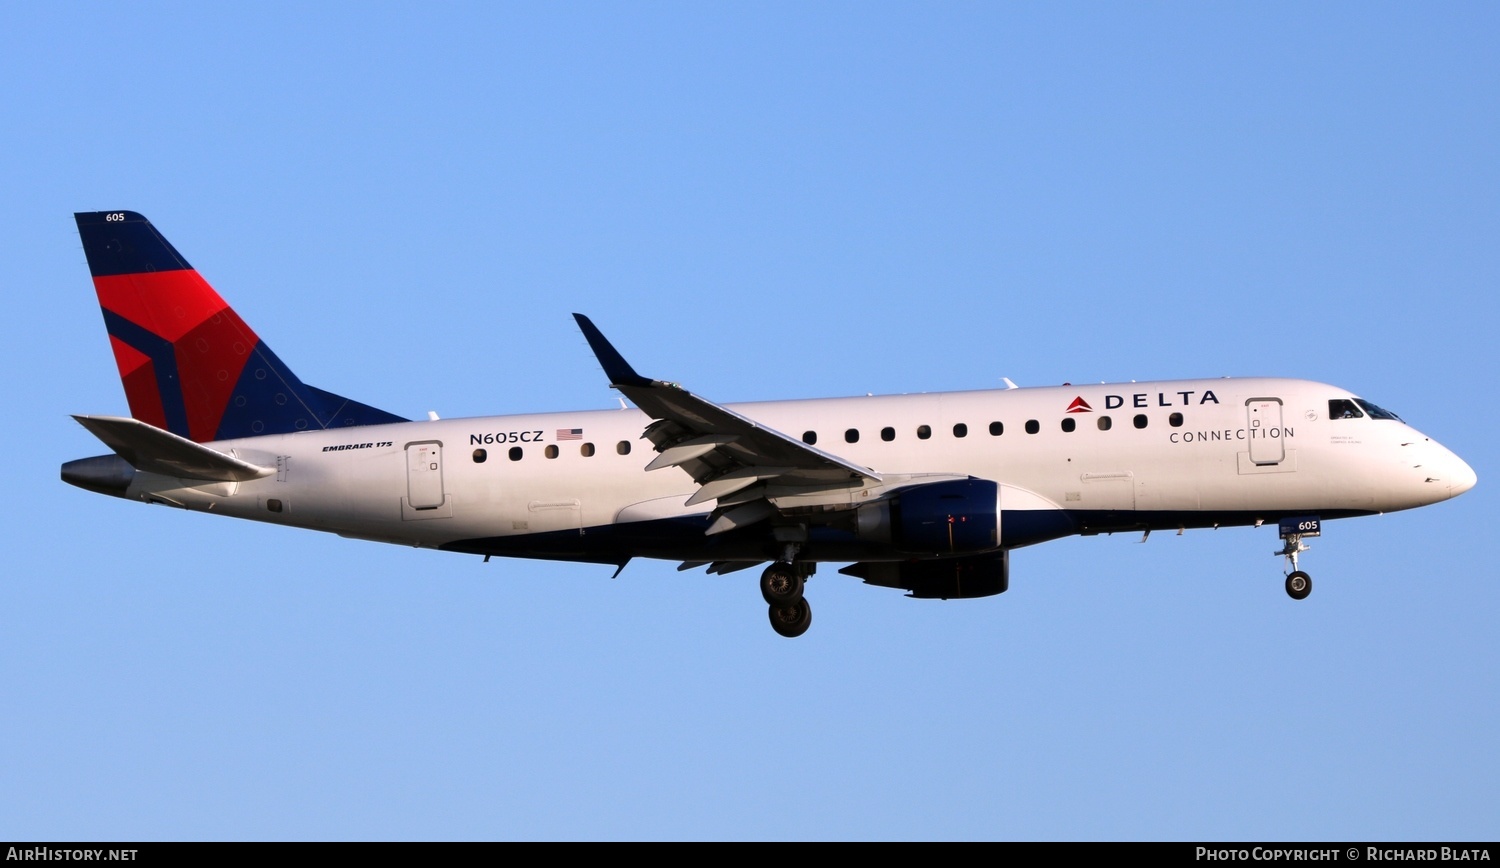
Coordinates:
[927,493]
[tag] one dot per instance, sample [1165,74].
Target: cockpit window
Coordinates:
[1376,412]
[1343,408]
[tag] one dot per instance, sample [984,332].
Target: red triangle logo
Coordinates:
[1080,406]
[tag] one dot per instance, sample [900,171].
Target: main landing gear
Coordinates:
[781,585]
[1298,583]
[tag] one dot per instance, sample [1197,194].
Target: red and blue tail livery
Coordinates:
[190,365]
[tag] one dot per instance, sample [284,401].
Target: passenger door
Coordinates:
[1265,430]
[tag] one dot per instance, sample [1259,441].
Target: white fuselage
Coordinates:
[1185,453]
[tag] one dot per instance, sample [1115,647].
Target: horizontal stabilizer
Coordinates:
[152,450]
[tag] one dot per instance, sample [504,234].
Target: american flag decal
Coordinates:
[570,433]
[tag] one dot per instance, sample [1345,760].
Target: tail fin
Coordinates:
[190,365]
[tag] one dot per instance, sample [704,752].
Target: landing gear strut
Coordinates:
[1298,583]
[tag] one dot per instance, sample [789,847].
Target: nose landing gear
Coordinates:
[1298,585]
[1292,530]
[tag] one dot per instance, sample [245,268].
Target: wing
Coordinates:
[735,460]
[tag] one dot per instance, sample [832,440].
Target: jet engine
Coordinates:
[956,516]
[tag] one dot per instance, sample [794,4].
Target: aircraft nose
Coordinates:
[1461,478]
[1447,471]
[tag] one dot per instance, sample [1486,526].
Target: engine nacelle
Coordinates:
[956,516]
[946,579]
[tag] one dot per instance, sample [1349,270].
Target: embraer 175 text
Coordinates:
[927,493]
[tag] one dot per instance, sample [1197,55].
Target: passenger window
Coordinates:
[550,451]
[480,455]
[1175,420]
[1069,424]
[1104,423]
[810,437]
[997,428]
[887,434]
[586,450]
[960,430]
[1033,426]
[851,435]
[623,447]
[1340,408]
[515,453]
[1140,421]
[923,432]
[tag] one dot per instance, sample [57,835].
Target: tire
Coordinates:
[791,620]
[780,584]
[1298,585]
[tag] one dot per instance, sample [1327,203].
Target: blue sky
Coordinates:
[760,201]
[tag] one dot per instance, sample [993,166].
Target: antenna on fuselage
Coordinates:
[1008,383]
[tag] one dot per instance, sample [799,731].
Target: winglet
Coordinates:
[618,370]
